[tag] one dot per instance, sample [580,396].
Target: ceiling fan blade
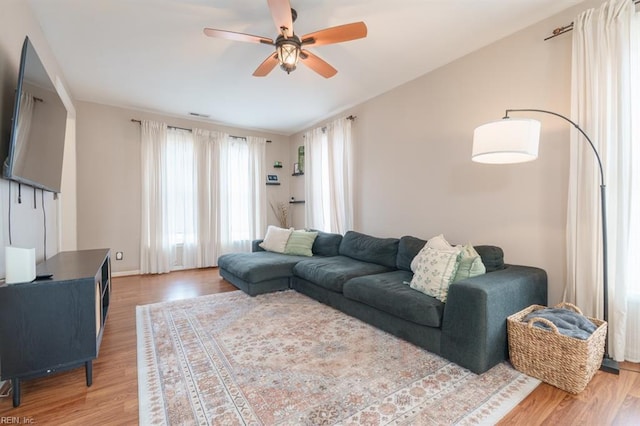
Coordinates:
[337,34]
[230,35]
[266,66]
[318,65]
[281,13]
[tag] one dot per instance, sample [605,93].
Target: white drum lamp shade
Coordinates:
[510,140]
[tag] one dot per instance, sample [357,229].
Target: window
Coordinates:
[203,193]
[328,171]
[180,187]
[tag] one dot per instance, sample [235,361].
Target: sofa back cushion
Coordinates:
[326,244]
[366,248]
[492,257]
[408,248]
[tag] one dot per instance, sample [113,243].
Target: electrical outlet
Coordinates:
[119,255]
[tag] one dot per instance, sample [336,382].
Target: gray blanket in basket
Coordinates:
[569,323]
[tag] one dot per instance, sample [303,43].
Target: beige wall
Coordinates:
[108,155]
[16,22]
[414,173]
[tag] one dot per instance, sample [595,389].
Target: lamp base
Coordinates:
[609,365]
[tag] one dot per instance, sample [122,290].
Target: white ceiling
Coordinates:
[152,55]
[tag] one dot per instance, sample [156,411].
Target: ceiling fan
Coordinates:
[290,47]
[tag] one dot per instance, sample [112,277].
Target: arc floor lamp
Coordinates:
[515,140]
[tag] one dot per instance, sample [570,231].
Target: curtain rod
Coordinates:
[171,127]
[566,28]
[133,120]
[351,118]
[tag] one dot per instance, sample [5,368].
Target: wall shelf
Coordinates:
[273,183]
[298,174]
[296,202]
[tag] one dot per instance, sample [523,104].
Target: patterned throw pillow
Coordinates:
[438,242]
[300,243]
[434,271]
[276,239]
[470,264]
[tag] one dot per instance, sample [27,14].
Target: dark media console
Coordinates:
[55,324]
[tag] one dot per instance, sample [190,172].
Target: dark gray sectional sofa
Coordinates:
[365,277]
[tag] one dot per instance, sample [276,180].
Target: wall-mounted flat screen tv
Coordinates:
[38,127]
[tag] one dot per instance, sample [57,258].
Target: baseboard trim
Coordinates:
[137,271]
[125,273]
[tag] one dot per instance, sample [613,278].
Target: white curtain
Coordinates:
[155,249]
[203,194]
[314,182]
[329,177]
[606,103]
[207,146]
[181,194]
[242,203]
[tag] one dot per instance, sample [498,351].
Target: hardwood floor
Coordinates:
[113,398]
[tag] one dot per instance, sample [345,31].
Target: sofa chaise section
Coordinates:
[258,272]
[262,272]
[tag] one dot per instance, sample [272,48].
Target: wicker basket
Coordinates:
[562,361]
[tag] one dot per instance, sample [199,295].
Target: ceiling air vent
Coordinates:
[195,114]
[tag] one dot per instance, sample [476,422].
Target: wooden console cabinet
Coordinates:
[55,324]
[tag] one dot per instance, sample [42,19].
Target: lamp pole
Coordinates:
[608,364]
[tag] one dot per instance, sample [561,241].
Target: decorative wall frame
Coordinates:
[273,180]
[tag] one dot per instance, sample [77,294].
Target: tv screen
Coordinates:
[36,146]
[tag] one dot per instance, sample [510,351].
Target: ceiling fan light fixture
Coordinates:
[288,50]
[288,45]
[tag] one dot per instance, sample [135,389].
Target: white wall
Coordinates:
[109,182]
[414,173]
[27,222]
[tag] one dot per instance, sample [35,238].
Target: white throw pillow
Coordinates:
[434,271]
[276,239]
[438,242]
[470,264]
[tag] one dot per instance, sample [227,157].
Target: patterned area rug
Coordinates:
[283,358]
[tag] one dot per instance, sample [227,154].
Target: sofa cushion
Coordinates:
[387,293]
[332,272]
[259,266]
[366,248]
[326,244]
[492,257]
[408,248]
